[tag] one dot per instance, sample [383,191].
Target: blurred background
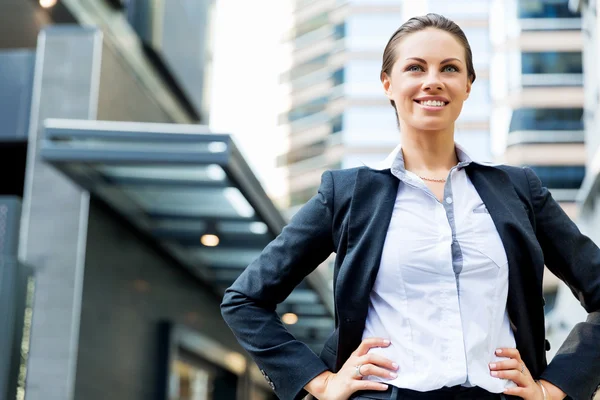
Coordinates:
[151,148]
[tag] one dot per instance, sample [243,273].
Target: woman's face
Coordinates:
[429,80]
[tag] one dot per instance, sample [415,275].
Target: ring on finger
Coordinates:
[357,371]
[523,368]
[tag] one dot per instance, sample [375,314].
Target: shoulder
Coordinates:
[518,175]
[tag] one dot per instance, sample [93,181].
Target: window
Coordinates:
[313,107]
[547,119]
[339,31]
[552,63]
[338,77]
[306,68]
[545,9]
[370,32]
[560,177]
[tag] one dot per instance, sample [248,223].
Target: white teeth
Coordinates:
[434,103]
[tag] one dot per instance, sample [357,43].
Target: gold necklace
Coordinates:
[432,180]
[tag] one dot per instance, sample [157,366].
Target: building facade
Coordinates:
[538,98]
[131,215]
[339,116]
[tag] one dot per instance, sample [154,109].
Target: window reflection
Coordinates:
[547,119]
[560,177]
[545,9]
[190,382]
[552,63]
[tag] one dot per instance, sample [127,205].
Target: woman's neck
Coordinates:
[429,153]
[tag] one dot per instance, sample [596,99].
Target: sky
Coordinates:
[246,97]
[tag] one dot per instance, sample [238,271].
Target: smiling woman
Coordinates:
[439,260]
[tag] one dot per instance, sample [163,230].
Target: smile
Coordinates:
[432,103]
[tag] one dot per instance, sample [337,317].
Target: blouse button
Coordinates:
[449,200]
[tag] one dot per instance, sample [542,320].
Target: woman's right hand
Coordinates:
[341,385]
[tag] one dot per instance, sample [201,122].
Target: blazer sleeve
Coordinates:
[575,259]
[249,305]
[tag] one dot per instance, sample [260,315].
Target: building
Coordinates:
[338,116]
[131,214]
[537,117]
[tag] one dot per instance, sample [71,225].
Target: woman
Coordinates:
[438,274]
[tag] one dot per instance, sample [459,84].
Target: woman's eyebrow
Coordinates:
[425,62]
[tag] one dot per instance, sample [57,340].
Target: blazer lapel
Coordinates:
[370,214]
[512,222]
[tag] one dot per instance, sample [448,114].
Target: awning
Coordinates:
[192,192]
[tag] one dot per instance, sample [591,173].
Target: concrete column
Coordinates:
[55,211]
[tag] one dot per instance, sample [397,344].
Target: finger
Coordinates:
[378,360]
[517,391]
[513,375]
[508,364]
[367,385]
[373,370]
[368,343]
[509,352]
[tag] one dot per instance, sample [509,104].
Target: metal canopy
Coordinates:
[177,183]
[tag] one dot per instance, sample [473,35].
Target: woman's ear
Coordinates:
[387,85]
[469,85]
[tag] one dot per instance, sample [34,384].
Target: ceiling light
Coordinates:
[47,3]
[289,318]
[209,240]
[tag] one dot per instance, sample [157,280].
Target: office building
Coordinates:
[131,214]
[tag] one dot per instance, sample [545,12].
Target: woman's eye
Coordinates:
[450,68]
[414,68]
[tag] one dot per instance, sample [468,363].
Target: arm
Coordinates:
[249,304]
[575,259]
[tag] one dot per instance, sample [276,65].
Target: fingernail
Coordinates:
[494,373]
[395,365]
[492,366]
[499,351]
[393,374]
[386,342]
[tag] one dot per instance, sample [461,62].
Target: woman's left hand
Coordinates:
[515,370]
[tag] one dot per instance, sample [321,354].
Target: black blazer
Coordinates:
[350,216]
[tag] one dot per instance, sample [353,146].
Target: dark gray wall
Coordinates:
[128,289]
[16,85]
[121,97]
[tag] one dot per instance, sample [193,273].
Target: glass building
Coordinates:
[122,215]
[537,70]
[339,116]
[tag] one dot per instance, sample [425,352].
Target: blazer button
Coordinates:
[547,344]
[348,320]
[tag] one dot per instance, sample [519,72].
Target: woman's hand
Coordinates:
[515,370]
[341,385]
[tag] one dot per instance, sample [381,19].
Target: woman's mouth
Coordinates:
[432,104]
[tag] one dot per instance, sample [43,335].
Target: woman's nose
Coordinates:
[432,82]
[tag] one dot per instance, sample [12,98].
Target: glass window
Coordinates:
[552,63]
[338,77]
[545,9]
[546,119]
[339,31]
[476,143]
[311,65]
[460,9]
[368,125]
[313,107]
[478,105]
[560,177]
[479,40]
[362,78]
[368,32]
[315,22]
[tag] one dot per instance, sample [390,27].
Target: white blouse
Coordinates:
[440,293]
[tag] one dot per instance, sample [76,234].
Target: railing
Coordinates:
[540,80]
